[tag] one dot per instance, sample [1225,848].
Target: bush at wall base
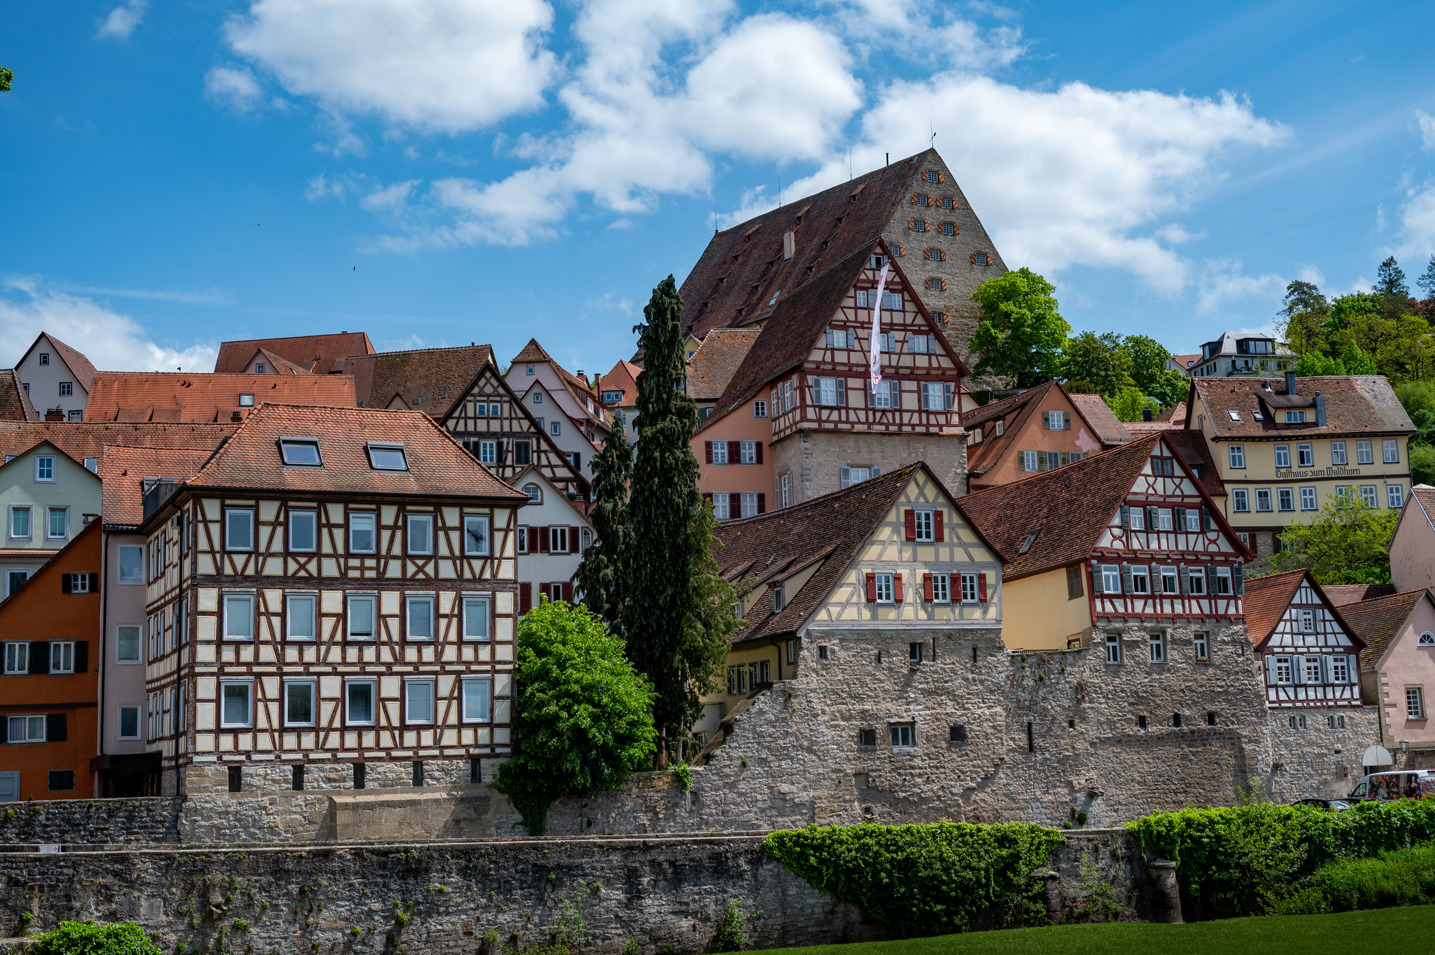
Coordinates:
[88,938]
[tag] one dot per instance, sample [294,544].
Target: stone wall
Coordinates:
[476,897]
[816,458]
[91,821]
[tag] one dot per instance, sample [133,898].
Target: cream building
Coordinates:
[46,497]
[57,379]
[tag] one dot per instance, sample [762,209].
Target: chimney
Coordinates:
[789,245]
[1320,411]
[1290,382]
[1146,414]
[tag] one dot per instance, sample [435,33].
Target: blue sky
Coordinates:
[444,171]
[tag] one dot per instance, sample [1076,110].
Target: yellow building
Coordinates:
[1284,448]
[892,553]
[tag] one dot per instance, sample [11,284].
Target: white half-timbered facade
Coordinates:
[331,603]
[1309,655]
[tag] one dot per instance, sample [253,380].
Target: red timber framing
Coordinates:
[1166,553]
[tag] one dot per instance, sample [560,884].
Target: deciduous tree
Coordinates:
[1301,322]
[1022,336]
[6,76]
[1347,543]
[1097,364]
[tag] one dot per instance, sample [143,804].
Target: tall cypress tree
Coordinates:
[678,611]
[601,577]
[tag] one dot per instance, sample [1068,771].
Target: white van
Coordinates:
[1395,784]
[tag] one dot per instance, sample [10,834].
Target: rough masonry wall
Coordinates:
[816,458]
[91,821]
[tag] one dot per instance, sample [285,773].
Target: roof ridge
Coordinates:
[825,499]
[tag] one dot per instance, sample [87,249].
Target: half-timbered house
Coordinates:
[498,429]
[1121,541]
[1309,655]
[1039,429]
[567,405]
[553,533]
[330,603]
[806,381]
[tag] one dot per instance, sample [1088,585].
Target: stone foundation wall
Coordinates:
[1316,759]
[275,777]
[815,458]
[91,821]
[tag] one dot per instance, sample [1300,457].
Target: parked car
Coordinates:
[1329,805]
[1396,784]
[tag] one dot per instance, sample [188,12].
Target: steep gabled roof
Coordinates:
[742,266]
[437,464]
[123,472]
[984,456]
[185,397]
[579,389]
[426,379]
[1105,426]
[14,400]
[280,364]
[1379,621]
[1354,404]
[1268,598]
[717,360]
[624,378]
[1194,450]
[85,439]
[73,358]
[320,354]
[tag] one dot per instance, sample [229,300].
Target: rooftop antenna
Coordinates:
[933,141]
[886,159]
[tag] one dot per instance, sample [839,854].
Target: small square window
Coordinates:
[44,358]
[387,457]
[61,780]
[904,735]
[246,401]
[44,468]
[867,737]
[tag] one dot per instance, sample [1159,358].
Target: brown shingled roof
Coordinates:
[1108,428]
[1354,404]
[437,464]
[123,472]
[186,397]
[984,456]
[717,360]
[1379,621]
[1266,600]
[85,439]
[14,401]
[1342,594]
[624,378]
[426,379]
[73,358]
[319,354]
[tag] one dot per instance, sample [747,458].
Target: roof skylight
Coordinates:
[301,452]
[387,457]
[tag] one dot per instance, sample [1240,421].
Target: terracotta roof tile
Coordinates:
[1424,496]
[180,396]
[278,363]
[1353,405]
[717,360]
[1176,414]
[1186,361]
[438,465]
[426,379]
[14,402]
[1266,600]
[1379,620]
[1342,594]
[86,439]
[319,354]
[624,378]
[75,360]
[1107,428]
[984,456]
[1196,452]
[123,472]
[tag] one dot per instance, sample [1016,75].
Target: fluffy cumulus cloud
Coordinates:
[29,306]
[1416,216]
[232,88]
[1224,281]
[122,20]
[438,65]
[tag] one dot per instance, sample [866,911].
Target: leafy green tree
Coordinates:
[676,635]
[1422,464]
[582,717]
[601,576]
[88,938]
[1149,371]
[1356,361]
[1314,363]
[1131,403]
[1097,364]
[6,76]
[1301,322]
[1347,543]
[1022,336]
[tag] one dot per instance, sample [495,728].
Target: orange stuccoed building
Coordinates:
[49,690]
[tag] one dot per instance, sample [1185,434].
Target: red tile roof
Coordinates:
[1186,361]
[185,397]
[717,360]
[86,439]
[1379,621]
[579,388]
[1019,409]
[1196,452]
[1361,404]
[1105,426]
[14,401]
[430,380]
[624,378]
[438,466]
[278,364]
[123,472]
[1267,599]
[319,354]
[1342,594]
[1176,414]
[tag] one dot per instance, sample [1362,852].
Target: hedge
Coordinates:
[1248,859]
[928,879]
[1401,877]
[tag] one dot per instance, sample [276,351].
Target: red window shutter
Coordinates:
[897,588]
[525,597]
[734,452]
[911,224]
[982,588]
[761,502]
[542,540]
[954,587]
[572,540]
[871,588]
[759,452]
[734,506]
[938,532]
[708,451]
[927,587]
[911,518]
[567,592]
[944,255]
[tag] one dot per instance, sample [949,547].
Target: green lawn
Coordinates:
[1409,931]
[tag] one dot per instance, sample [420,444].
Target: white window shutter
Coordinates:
[1270,670]
[1354,667]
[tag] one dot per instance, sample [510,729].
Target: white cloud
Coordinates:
[234,89]
[389,198]
[440,65]
[1426,123]
[1417,224]
[1225,281]
[112,340]
[122,20]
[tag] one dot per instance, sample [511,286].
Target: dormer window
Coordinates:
[1295,417]
[301,452]
[246,401]
[775,296]
[259,368]
[387,457]
[1030,540]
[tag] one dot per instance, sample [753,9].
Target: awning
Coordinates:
[1377,756]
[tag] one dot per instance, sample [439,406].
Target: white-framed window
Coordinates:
[1165,519]
[1158,646]
[555,428]
[747,500]
[1237,453]
[17,657]
[44,358]
[127,643]
[1223,582]
[20,523]
[534,492]
[419,616]
[941,588]
[57,523]
[885,395]
[719,452]
[298,702]
[1337,453]
[1284,670]
[748,450]
[477,699]
[1364,453]
[1170,583]
[970,591]
[363,538]
[236,698]
[29,728]
[475,535]
[239,528]
[1427,639]
[585,539]
[904,735]
[1294,417]
[1307,620]
[1305,455]
[1263,499]
[921,344]
[924,524]
[884,588]
[303,529]
[558,539]
[1196,581]
[720,506]
[936,396]
[1113,648]
[1201,641]
[1110,579]
[62,656]
[418,700]
[363,613]
[1285,499]
[1193,520]
[1312,669]
[477,610]
[839,338]
[1394,496]
[301,616]
[1307,499]
[1283,456]
[127,725]
[238,616]
[538,397]
[826,391]
[1414,703]
[1339,669]
[1136,516]
[1389,451]
[488,452]
[1140,578]
[759,408]
[420,533]
[359,702]
[1367,494]
[45,468]
[1240,500]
